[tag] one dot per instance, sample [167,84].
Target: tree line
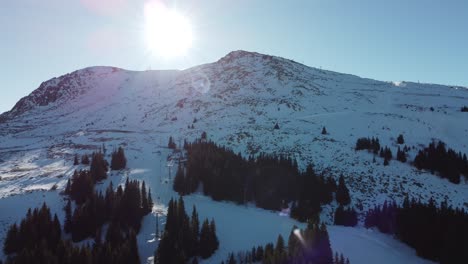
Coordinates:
[271,182]
[124,207]
[447,162]
[118,159]
[437,233]
[373,145]
[311,245]
[38,239]
[183,239]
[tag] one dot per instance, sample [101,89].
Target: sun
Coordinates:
[167,32]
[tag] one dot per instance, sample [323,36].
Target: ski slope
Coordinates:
[237,101]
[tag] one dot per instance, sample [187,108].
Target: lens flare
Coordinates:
[298,234]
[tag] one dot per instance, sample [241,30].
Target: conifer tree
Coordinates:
[195,231]
[204,246]
[150,201]
[144,198]
[204,136]
[67,227]
[214,242]
[324,131]
[68,187]
[342,192]
[85,159]
[400,139]
[119,161]
[171,144]
[11,243]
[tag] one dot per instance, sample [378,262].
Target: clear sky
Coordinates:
[412,40]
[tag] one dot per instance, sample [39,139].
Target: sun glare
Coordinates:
[168,33]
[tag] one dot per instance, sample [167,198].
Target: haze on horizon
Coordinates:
[399,40]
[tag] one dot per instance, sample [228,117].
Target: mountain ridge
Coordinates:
[52,89]
[239,98]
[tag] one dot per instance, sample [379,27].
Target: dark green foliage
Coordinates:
[342,192]
[208,243]
[99,167]
[448,163]
[401,155]
[324,131]
[345,217]
[38,240]
[82,186]
[68,217]
[68,187]
[182,239]
[269,181]
[314,248]
[204,136]
[386,153]
[371,144]
[182,184]
[232,260]
[85,159]
[119,161]
[400,139]
[340,259]
[437,233]
[127,206]
[383,217]
[171,144]
[464,109]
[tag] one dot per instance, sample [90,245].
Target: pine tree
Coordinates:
[204,244]
[280,253]
[232,260]
[276,126]
[401,155]
[214,242]
[195,230]
[68,187]
[150,201]
[85,159]
[144,199]
[324,246]
[400,139]
[119,161]
[324,131]
[342,192]
[11,243]
[67,227]
[179,184]
[171,144]
[76,160]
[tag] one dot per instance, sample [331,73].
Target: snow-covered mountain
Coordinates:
[237,101]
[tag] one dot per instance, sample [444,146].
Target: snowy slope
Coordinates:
[237,101]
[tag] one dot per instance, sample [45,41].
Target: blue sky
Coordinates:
[413,40]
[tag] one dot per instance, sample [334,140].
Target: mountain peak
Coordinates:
[241,54]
